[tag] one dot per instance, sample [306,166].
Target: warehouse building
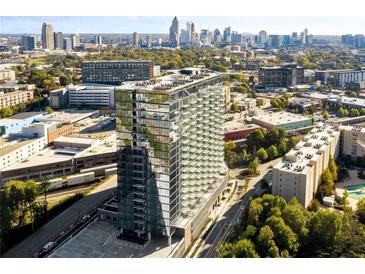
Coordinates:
[283,119]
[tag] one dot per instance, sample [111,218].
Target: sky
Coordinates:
[330,25]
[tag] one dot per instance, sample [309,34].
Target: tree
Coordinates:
[49,110]
[354,112]
[360,212]
[362,111]
[294,217]
[324,229]
[266,244]
[65,80]
[314,205]
[345,201]
[262,154]
[234,107]
[343,112]
[254,165]
[282,148]
[332,168]
[325,115]
[327,183]
[256,139]
[241,249]
[43,188]
[246,185]
[272,152]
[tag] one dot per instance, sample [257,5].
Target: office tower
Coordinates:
[188,29]
[170,154]
[274,41]
[305,37]
[359,41]
[205,37]
[217,36]
[75,40]
[193,31]
[227,35]
[149,40]
[262,38]
[29,42]
[174,32]
[47,36]
[67,44]
[135,41]
[284,76]
[116,72]
[294,36]
[98,40]
[58,40]
[286,41]
[185,36]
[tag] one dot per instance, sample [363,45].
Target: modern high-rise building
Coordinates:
[47,36]
[98,40]
[193,31]
[75,40]
[174,33]
[135,39]
[58,40]
[29,42]
[116,72]
[171,167]
[149,40]
[188,29]
[67,43]
[227,35]
[217,36]
[262,39]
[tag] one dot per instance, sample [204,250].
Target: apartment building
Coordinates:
[340,78]
[353,141]
[13,98]
[116,72]
[171,167]
[298,174]
[7,74]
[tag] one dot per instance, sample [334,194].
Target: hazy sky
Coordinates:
[160,24]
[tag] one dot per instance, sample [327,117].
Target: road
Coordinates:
[232,214]
[50,231]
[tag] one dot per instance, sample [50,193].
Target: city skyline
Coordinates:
[317,25]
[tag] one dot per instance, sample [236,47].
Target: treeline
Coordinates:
[277,229]
[22,210]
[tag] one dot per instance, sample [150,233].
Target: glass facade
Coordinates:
[170,147]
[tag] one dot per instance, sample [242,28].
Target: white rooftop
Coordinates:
[280,118]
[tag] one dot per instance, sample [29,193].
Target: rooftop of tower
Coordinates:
[177,79]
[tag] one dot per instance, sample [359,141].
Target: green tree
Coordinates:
[327,183]
[262,154]
[266,244]
[254,165]
[354,112]
[343,112]
[314,205]
[49,110]
[272,152]
[324,229]
[65,80]
[256,139]
[325,115]
[246,185]
[332,168]
[360,211]
[234,107]
[242,249]
[362,111]
[43,189]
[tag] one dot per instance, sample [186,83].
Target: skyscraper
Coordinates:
[174,34]
[47,36]
[98,40]
[29,42]
[67,43]
[193,31]
[58,40]
[135,39]
[227,35]
[262,37]
[149,40]
[170,154]
[188,29]
[75,40]
[217,36]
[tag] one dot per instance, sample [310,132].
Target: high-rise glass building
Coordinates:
[170,153]
[47,36]
[58,40]
[174,33]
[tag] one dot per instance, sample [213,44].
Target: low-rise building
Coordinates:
[283,119]
[341,77]
[238,133]
[298,174]
[13,98]
[7,74]
[15,123]
[281,76]
[353,142]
